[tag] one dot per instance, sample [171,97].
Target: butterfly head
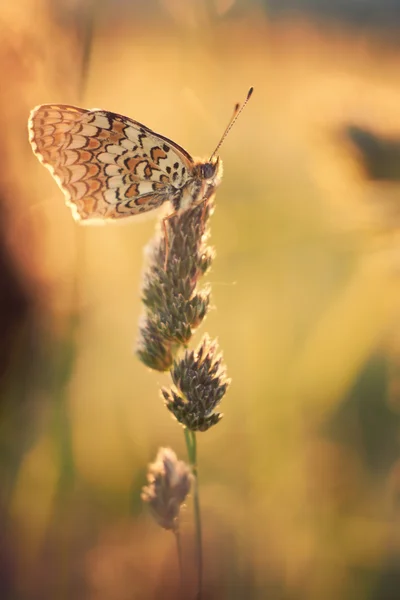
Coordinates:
[211,171]
[206,175]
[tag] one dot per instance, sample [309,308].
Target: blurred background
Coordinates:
[300,482]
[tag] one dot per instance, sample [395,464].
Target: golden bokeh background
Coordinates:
[299,482]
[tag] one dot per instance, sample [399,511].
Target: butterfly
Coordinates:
[110,166]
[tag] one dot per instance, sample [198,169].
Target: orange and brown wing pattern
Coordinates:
[107,165]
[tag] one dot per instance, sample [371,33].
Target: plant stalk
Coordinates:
[177,534]
[191,444]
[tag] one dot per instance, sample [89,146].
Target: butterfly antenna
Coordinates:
[237,110]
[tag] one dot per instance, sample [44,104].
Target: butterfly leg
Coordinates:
[166,251]
[203,212]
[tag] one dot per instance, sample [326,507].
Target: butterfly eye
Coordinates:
[208,170]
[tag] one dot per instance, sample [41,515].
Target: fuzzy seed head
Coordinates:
[169,481]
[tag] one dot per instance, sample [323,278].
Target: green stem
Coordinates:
[87,27]
[177,534]
[191,444]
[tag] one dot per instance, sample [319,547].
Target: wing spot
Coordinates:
[85,156]
[93,185]
[103,134]
[89,204]
[141,200]
[132,191]
[157,154]
[140,168]
[118,127]
[142,136]
[131,163]
[158,186]
[93,144]
[59,138]
[93,170]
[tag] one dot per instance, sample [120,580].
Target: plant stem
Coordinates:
[177,534]
[191,443]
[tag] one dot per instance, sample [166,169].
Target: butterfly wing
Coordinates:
[107,165]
